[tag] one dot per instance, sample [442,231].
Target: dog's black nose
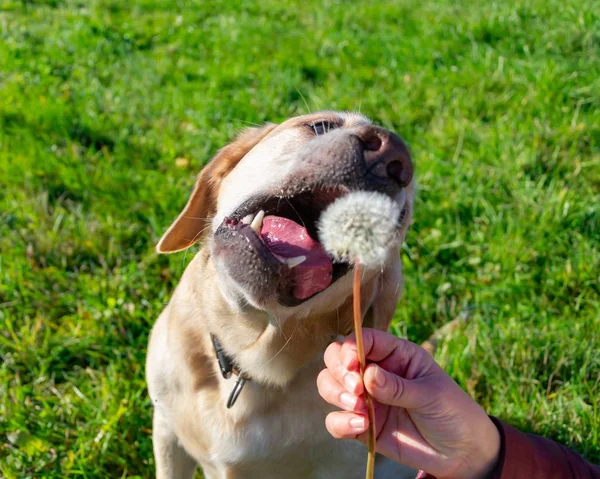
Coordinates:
[385,155]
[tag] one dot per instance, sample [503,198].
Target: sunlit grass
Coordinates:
[500,103]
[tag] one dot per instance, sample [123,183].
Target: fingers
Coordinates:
[335,394]
[389,388]
[391,353]
[346,425]
[402,376]
[348,377]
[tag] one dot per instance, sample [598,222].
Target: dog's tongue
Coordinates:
[287,239]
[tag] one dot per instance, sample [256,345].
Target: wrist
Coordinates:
[487,456]
[480,460]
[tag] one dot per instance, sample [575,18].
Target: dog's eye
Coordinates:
[322,127]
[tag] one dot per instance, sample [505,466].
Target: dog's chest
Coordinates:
[279,434]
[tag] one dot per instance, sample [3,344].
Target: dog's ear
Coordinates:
[191,223]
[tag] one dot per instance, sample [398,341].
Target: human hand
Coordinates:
[423,418]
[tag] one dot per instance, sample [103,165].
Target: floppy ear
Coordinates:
[189,226]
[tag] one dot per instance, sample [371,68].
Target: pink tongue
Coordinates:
[287,239]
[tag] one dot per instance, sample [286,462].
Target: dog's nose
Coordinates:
[385,154]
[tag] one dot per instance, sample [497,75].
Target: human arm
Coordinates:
[424,419]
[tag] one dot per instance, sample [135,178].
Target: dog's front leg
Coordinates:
[172,461]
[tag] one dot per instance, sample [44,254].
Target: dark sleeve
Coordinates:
[531,457]
[527,456]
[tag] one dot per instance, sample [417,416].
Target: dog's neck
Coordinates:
[266,349]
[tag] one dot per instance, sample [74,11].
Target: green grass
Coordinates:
[500,103]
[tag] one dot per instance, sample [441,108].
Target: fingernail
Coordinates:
[379,377]
[348,400]
[351,381]
[357,423]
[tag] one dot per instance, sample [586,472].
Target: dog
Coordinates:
[234,357]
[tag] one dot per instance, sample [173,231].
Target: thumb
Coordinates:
[389,388]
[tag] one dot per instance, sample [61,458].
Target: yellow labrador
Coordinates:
[233,359]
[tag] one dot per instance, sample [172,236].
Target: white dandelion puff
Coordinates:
[360,226]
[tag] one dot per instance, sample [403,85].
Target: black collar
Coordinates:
[226,366]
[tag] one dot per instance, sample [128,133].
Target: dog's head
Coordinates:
[259,200]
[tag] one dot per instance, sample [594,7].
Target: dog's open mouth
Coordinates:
[282,232]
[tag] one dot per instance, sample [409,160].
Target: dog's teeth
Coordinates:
[257,221]
[247,219]
[293,262]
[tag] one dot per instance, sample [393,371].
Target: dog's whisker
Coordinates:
[304,100]
[248,122]
[200,233]
[285,344]
[196,218]
[295,211]
[274,316]
[280,200]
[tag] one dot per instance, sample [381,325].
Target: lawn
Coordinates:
[109,108]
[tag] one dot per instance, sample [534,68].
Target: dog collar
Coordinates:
[226,367]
